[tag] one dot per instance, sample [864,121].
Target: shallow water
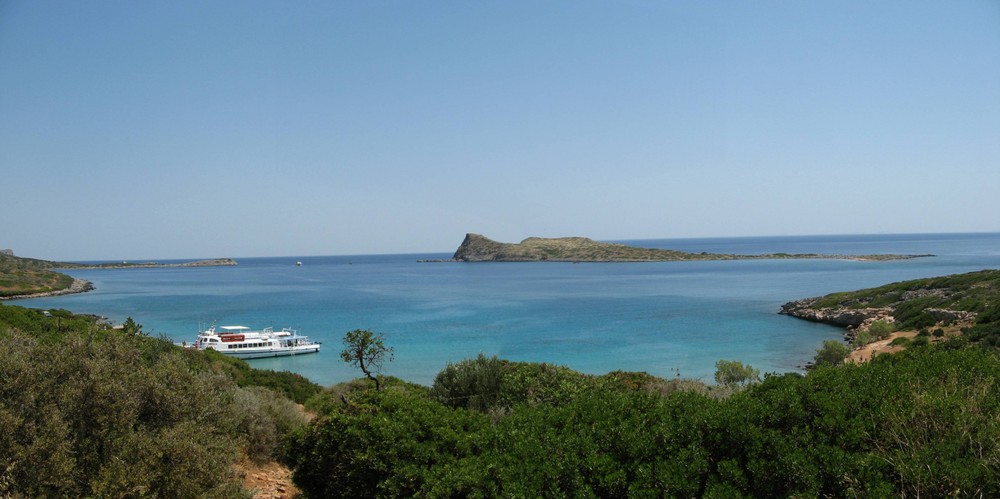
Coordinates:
[665,318]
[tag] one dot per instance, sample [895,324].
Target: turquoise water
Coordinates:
[665,318]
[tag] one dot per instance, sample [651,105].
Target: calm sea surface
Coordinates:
[665,318]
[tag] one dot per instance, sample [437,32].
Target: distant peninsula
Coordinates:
[33,278]
[478,248]
[215,262]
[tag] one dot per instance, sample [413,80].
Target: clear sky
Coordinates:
[196,129]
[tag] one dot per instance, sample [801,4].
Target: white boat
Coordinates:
[243,343]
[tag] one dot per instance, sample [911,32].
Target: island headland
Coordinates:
[478,248]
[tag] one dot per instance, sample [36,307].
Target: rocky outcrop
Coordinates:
[948,316]
[837,316]
[478,248]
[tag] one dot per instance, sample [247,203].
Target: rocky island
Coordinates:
[478,248]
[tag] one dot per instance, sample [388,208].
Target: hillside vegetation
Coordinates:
[25,276]
[477,248]
[925,422]
[968,301]
[89,411]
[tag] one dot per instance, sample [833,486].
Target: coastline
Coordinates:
[216,262]
[78,286]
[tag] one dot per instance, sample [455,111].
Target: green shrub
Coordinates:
[383,443]
[832,353]
[471,384]
[901,341]
[732,373]
[861,338]
[881,329]
[535,384]
[264,417]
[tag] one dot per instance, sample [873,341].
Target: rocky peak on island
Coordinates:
[478,248]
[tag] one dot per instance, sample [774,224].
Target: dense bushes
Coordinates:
[85,418]
[470,384]
[386,442]
[921,423]
[90,411]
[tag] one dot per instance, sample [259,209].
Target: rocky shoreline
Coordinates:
[838,316]
[855,320]
[78,286]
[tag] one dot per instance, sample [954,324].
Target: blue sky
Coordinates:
[191,129]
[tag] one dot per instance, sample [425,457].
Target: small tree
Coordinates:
[132,328]
[366,351]
[734,373]
[833,353]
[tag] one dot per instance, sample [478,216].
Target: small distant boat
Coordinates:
[243,343]
[298,264]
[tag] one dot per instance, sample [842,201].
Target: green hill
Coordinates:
[962,298]
[28,276]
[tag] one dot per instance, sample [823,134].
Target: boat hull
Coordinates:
[254,353]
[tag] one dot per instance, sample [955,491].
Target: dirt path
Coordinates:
[865,353]
[271,480]
[268,481]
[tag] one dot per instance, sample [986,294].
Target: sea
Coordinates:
[669,319]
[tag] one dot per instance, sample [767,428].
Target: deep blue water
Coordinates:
[666,318]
